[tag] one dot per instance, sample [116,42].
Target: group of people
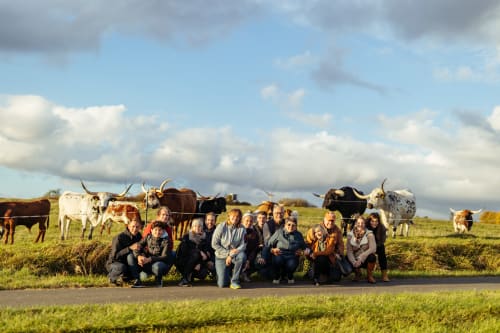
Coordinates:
[233,250]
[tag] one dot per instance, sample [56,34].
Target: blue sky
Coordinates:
[291,97]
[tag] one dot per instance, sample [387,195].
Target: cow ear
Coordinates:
[159,194]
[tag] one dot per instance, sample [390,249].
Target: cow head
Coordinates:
[153,195]
[105,197]
[331,198]
[375,198]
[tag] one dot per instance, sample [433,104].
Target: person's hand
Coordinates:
[203,256]
[140,260]
[135,247]
[233,252]
[261,261]
[229,260]
[276,251]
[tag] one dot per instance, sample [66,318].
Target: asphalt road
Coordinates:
[208,291]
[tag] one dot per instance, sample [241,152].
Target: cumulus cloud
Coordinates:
[417,151]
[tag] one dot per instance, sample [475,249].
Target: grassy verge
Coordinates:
[431,312]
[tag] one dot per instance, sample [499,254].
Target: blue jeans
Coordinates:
[284,265]
[231,273]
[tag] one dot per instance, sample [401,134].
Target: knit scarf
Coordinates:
[196,238]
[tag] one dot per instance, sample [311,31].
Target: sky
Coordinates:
[253,96]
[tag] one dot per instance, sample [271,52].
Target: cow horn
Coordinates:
[85,189]
[164,183]
[452,211]
[216,195]
[364,197]
[322,196]
[339,193]
[199,194]
[476,211]
[382,186]
[125,191]
[144,188]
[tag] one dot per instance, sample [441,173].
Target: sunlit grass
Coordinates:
[405,312]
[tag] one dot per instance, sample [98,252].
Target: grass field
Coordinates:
[431,250]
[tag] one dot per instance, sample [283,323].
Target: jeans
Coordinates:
[286,265]
[231,273]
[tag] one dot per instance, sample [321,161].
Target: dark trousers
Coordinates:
[321,265]
[382,258]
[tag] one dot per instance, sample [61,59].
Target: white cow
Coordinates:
[82,207]
[395,207]
[78,207]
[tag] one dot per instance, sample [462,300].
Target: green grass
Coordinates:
[432,249]
[431,312]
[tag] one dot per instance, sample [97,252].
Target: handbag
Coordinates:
[344,265]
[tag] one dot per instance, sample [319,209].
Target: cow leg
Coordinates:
[344,227]
[12,232]
[91,232]
[394,231]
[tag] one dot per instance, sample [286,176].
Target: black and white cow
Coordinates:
[395,207]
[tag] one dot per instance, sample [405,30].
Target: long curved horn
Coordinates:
[340,193]
[452,211]
[476,211]
[199,194]
[125,191]
[144,188]
[322,196]
[382,186]
[85,189]
[164,183]
[360,196]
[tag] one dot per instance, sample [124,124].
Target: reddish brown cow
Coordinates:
[27,213]
[119,212]
[182,203]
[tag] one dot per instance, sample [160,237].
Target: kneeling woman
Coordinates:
[286,245]
[361,248]
[193,255]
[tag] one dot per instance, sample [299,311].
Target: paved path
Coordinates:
[206,291]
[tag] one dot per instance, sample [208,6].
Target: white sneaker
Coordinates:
[291,281]
[276,281]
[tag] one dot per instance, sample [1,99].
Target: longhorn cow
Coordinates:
[462,219]
[182,203]
[395,207]
[346,203]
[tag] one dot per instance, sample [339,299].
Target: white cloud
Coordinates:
[297,61]
[437,162]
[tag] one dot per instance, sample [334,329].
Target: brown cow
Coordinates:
[267,207]
[462,219]
[182,203]
[27,213]
[119,212]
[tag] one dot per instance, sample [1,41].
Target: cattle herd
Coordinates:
[396,208]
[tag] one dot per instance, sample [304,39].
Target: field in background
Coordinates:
[432,249]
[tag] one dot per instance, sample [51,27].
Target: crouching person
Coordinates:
[228,241]
[284,248]
[153,253]
[121,265]
[323,254]
[361,248]
[193,259]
